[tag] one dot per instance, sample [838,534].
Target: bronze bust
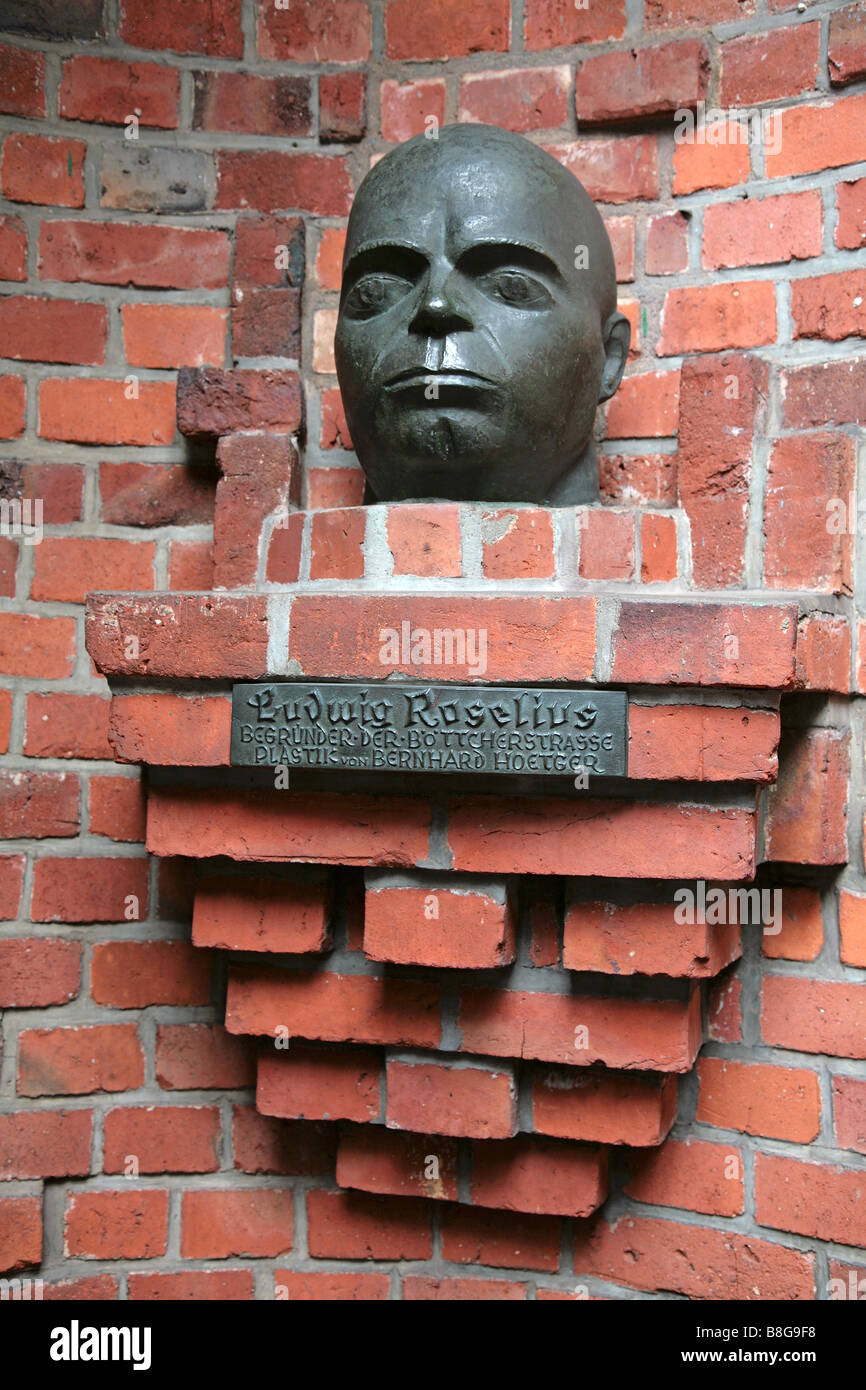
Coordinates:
[478,327]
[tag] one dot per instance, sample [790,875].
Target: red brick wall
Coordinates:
[124,260]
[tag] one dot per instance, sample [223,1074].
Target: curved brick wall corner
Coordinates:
[510,1072]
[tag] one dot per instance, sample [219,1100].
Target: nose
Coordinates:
[440,311]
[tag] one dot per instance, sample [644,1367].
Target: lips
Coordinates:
[414,377]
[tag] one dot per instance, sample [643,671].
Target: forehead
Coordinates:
[453,199]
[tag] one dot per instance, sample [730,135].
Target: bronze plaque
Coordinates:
[429,728]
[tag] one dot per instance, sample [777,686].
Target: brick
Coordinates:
[435,29]
[811,1199]
[262,914]
[382,1161]
[555,23]
[528,638]
[522,99]
[705,644]
[469,926]
[824,653]
[260,476]
[849,1112]
[603,1108]
[38,971]
[13,249]
[335,431]
[695,1261]
[266,323]
[212,402]
[724,1009]
[712,318]
[135,974]
[154,494]
[421,1288]
[629,480]
[625,1033]
[315,1083]
[269,180]
[38,805]
[60,488]
[5,719]
[13,400]
[190,565]
[67,568]
[125,253]
[89,411]
[408,107]
[721,407]
[334,487]
[252,105]
[667,248]
[163,1139]
[324,328]
[814,1015]
[321,1287]
[265,1145]
[315,31]
[20,1233]
[284,550]
[203,1285]
[337,544]
[329,257]
[802,929]
[621,232]
[517,544]
[53,19]
[167,729]
[828,393]
[804,546]
[334,1008]
[773,1102]
[613,169]
[8,565]
[425,540]
[184,28]
[852,928]
[342,107]
[640,82]
[538,1176]
[692,1175]
[269,252]
[644,939]
[67,726]
[500,1239]
[770,66]
[42,648]
[89,890]
[45,1143]
[201,1057]
[154,179]
[109,91]
[362,1226]
[820,135]
[620,838]
[117,808]
[806,813]
[851,214]
[460,1100]
[645,407]
[606,545]
[116,1225]
[199,635]
[173,335]
[658,549]
[846,56]
[100,1288]
[361,830]
[79,1061]
[723,163]
[36,169]
[759,231]
[22,74]
[830,306]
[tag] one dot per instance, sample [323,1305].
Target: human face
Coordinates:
[469,345]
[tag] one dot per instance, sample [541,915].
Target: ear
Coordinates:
[617,336]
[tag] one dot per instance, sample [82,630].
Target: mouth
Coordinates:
[415,377]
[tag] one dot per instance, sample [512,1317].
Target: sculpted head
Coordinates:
[478,327]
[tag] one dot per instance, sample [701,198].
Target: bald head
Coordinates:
[478,326]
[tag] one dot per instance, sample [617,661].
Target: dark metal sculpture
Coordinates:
[478,327]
